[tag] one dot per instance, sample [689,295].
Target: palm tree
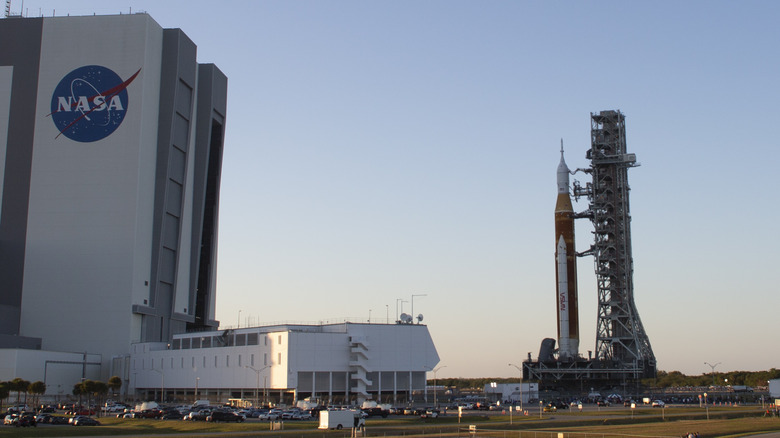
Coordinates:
[78,389]
[37,388]
[114,384]
[5,392]
[89,389]
[100,389]
[20,385]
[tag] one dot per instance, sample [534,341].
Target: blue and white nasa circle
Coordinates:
[89,103]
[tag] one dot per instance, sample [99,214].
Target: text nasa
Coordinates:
[82,104]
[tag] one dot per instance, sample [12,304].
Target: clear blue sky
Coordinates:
[380,149]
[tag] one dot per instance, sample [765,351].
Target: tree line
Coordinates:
[753,379]
[87,388]
[664,379]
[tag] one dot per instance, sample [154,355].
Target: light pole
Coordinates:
[162,384]
[257,385]
[435,400]
[713,370]
[521,385]
[706,406]
[540,409]
[239,319]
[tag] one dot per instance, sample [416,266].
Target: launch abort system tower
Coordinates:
[623,354]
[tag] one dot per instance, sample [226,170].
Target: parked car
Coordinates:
[171,415]
[86,421]
[43,418]
[58,420]
[10,419]
[430,413]
[273,414]
[200,415]
[224,416]
[255,413]
[549,407]
[602,403]
[658,404]
[376,412]
[25,420]
[149,413]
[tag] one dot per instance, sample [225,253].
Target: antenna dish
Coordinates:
[419,317]
[406,318]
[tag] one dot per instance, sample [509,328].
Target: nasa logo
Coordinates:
[90,103]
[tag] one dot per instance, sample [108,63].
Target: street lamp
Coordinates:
[521,385]
[435,401]
[257,386]
[713,370]
[540,409]
[162,384]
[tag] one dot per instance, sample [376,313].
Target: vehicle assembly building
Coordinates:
[111,138]
[623,354]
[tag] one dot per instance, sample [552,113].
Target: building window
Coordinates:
[182,362]
[265,359]
[239,361]
[265,341]
[252,359]
[252,339]
[204,361]
[215,361]
[193,361]
[280,339]
[227,360]
[280,358]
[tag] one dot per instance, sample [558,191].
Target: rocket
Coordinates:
[565,268]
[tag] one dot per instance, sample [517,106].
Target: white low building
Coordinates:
[512,392]
[344,363]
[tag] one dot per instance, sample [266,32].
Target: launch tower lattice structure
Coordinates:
[620,337]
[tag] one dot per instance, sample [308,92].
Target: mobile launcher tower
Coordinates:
[623,351]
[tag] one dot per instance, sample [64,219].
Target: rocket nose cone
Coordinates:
[563,177]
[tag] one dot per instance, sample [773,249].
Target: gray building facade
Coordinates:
[111,141]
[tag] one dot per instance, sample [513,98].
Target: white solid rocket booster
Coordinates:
[565,268]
